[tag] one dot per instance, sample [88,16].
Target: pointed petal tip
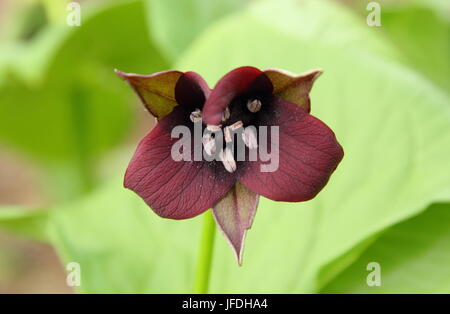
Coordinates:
[120,73]
[126,76]
[237,248]
[123,74]
[234,216]
[240,253]
[316,72]
[319,71]
[294,88]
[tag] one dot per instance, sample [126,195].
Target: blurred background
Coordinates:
[68,127]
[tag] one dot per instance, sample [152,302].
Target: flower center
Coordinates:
[237,117]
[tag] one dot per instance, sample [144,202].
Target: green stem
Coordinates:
[205,254]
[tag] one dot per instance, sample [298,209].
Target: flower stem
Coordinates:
[205,254]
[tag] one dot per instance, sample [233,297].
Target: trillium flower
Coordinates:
[245,99]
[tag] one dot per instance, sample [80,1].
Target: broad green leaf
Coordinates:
[335,26]
[423,37]
[78,108]
[440,7]
[175,24]
[123,247]
[30,223]
[20,19]
[413,258]
[30,60]
[393,125]
[420,31]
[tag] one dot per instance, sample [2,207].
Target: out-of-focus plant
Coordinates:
[60,103]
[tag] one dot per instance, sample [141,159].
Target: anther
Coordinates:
[196,116]
[254,105]
[227,135]
[236,125]
[249,138]
[209,144]
[213,128]
[228,160]
[226,114]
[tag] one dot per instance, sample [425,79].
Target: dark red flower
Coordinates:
[246,102]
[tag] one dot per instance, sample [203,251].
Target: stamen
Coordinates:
[254,105]
[196,116]
[209,144]
[227,135]
[226,114]
[236,125]
[228,160]
[249,138]
[213,128]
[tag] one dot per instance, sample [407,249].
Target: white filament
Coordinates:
[209,144]
[228,160]
[249,138]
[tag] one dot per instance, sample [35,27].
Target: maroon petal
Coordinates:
[293,88]
[234,215]
[156,91]
[244,80]
[308,154]
[174,189]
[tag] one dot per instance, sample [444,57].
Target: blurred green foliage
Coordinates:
[413,256]
[424,39]
[175,24]
[385,92]
[76,108]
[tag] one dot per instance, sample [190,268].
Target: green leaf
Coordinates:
[440,7]
[413,258]
[30,223]
[423,37]
[73,107]
[336,26]
[392,124]
[175,24]
[420,31]
[122,246]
